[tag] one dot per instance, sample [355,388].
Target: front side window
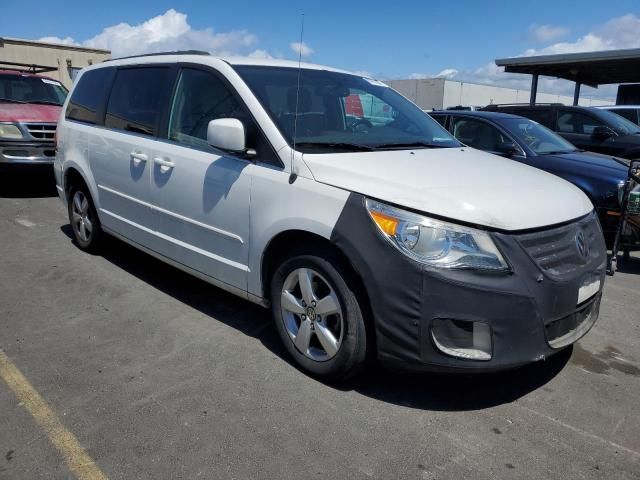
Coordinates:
[137,99]
[479,134]
[538,138]
[31,89]
[334,111]
[619,124]
[200,97]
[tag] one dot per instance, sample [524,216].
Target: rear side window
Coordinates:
[137,99]
[542,116]
[88,97]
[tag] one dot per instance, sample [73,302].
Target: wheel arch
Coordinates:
[282,244]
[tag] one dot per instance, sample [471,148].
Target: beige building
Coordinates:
[61,62]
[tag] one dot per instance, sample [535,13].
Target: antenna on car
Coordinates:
[294,175]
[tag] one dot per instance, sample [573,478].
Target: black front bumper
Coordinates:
[524,307]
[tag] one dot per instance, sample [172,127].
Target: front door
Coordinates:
[578,128]
[201,195]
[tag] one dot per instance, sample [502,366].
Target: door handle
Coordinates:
[138,158]
[165,164]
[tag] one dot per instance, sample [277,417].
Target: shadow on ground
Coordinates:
[421,391]
[26,181]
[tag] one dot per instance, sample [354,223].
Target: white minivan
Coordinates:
[367,237]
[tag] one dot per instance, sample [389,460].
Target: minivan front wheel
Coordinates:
[83,219]
[318,316]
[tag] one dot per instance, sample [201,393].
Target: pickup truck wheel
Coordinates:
[83,218]
[318,317]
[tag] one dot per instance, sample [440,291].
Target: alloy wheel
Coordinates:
[312,314]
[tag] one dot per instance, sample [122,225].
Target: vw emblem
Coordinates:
[581,244]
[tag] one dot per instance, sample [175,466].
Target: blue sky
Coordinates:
[387,39]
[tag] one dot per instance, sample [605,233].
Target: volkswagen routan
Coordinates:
[367,229]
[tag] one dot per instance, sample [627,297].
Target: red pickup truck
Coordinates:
[29,109]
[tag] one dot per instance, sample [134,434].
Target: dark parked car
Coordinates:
[592,129]
[526,141]
[630,112]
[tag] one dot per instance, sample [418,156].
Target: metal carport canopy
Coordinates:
[590,68]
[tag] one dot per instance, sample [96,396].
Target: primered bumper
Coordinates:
[549,300]
[27,153]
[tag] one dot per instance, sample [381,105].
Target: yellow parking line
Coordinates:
[77,459]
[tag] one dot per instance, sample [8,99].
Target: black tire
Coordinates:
[351,356]
[92,240]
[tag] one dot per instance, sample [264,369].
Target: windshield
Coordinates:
[538,138]
[338,111]
[28,89]
[620,124]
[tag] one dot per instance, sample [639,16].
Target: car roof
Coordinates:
[206,58]
[618,107]
[491,115]
[23,74]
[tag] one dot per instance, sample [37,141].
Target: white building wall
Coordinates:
[438,93]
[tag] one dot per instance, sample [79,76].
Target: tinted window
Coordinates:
[441,119]
[479,134]
[576,122]
[200,97]
[137,98]
[89,95]
[540,115]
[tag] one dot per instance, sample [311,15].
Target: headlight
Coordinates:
[8,130]
[434,242]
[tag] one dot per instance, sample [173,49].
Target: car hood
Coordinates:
[615,166]
[457,183]
[28,112]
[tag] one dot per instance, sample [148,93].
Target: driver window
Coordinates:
[575,122]
[200,97]
[479,134]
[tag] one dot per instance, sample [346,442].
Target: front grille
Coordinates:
[556,250]
[41,131]
[567,330]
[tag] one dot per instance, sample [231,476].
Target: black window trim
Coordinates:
[268,158]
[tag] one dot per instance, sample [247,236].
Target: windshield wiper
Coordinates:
[44,102]
[558,152]
[341,145]
[409,145]
[11,100]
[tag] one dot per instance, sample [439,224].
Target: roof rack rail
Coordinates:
[495,106]
[178,52]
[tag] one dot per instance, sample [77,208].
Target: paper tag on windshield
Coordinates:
[51,82]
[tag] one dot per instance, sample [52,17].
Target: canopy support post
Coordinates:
[576,93]
[534,89]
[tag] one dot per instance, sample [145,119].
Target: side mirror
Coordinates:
[508,149]
[226,134]
[602,133]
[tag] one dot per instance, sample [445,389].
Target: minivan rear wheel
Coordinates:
[318,316]
[83,218]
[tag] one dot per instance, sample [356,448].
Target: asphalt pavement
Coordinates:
[159,375]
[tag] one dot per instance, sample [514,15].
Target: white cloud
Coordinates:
[547,33]
[620,32]
[167,32]
[301,48]
[446,73]
[617,33]
[260,54]
[58,40]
